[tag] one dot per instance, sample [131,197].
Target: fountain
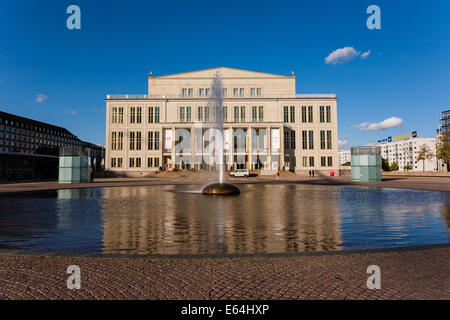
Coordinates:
[219,188]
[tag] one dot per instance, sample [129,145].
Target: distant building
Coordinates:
[29,149]
[405,152]
[444,128]
[344,156]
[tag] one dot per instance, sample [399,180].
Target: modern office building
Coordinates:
[30,149]
[267,126]
[344,156]
[404,151]
[443,130]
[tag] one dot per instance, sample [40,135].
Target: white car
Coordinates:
[240,173]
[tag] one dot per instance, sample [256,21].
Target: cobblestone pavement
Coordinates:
[405,274]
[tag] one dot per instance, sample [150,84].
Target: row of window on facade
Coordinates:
[135,140]
[10,123]
[135,162]
[204,114]
[206,92]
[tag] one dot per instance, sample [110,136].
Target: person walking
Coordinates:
[310,173]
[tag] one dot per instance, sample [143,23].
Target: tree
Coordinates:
[443,148]
[394,166]
[407,167]
[385,165]
[424,154]
[346,164]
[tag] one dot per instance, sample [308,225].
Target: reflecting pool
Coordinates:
[264,218]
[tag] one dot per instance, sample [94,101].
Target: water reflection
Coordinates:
[264,218]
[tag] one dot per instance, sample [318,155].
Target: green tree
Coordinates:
[424,154]
[346,164]
[394,166]
[407,167]
[443,148]
[385,165]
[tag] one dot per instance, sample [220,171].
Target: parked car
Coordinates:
[240,173]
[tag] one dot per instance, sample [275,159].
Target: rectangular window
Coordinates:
[150,140]
[131,162]
[310,114]
[224,92]
[254,114]
[184,92]
[258,91]
[304,114]
[322,114]
[236,114]
[190,92]
[150,162]
[114,115]
[261,114]
[235,92]
[207,92]
[322,139]
[242,114]
[304,140]
[182,114]
[132,115]
[330,161]
[311,140]
[156,162]
[241,92]
[120,120]
[292,113]
[156,114]
[328,113]
[119,162]
[206,114]
[150,114]
[114,141]
[328,139]
[132,140]
[252,92]
[225,114]
[286,139]
[201,92]
[305,161]
[120,141]
[311,161]
[113,162]
[188,114]
[200,113]
[156,140]
[293,140]
[286,114]
[138,162]
[139,115]
[138,140]
[323,161]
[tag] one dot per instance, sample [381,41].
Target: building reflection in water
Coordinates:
[264,218]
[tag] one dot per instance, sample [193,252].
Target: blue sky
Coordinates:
[62,76]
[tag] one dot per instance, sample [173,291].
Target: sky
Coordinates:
[389,81]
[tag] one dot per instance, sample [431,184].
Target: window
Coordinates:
[188,114]
[156,114]
[138,162]
[114,115]
[322,114]
[225,114]
[150,162]
[156,162]
[206,114]
[286,114]
[292,113]
[330,161]
[286,139]
[254,114]
[224,92]
[304,140]
[323,161]
[200,113]
[258,91]
[201,92]
[311,161]
[236,114]
[131,162]
[241,92]
[156,140]
[293,140]
[182,114]
[187,92]
[132,115]
[184,92]
[114,141]
[305,161]
[322,139]
[150,140]
[120,141]
[328,139]
[261,114]
[113,162]
[310,114]
[132,140]
[138,140]
[235,92]
[150,114]
[311,139]
[207,92]
[304,114]
[253,92]
[328,113]
[242,114]
[139,115]
[120,120]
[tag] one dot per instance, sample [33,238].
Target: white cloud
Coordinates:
[365,54]
[391,122]
[72,112]
[345,54]
[342,144]
[40,98]
[342,55]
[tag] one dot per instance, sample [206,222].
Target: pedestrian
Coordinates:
[278,175]
[310,173]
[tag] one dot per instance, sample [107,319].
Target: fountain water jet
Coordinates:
[219,188]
